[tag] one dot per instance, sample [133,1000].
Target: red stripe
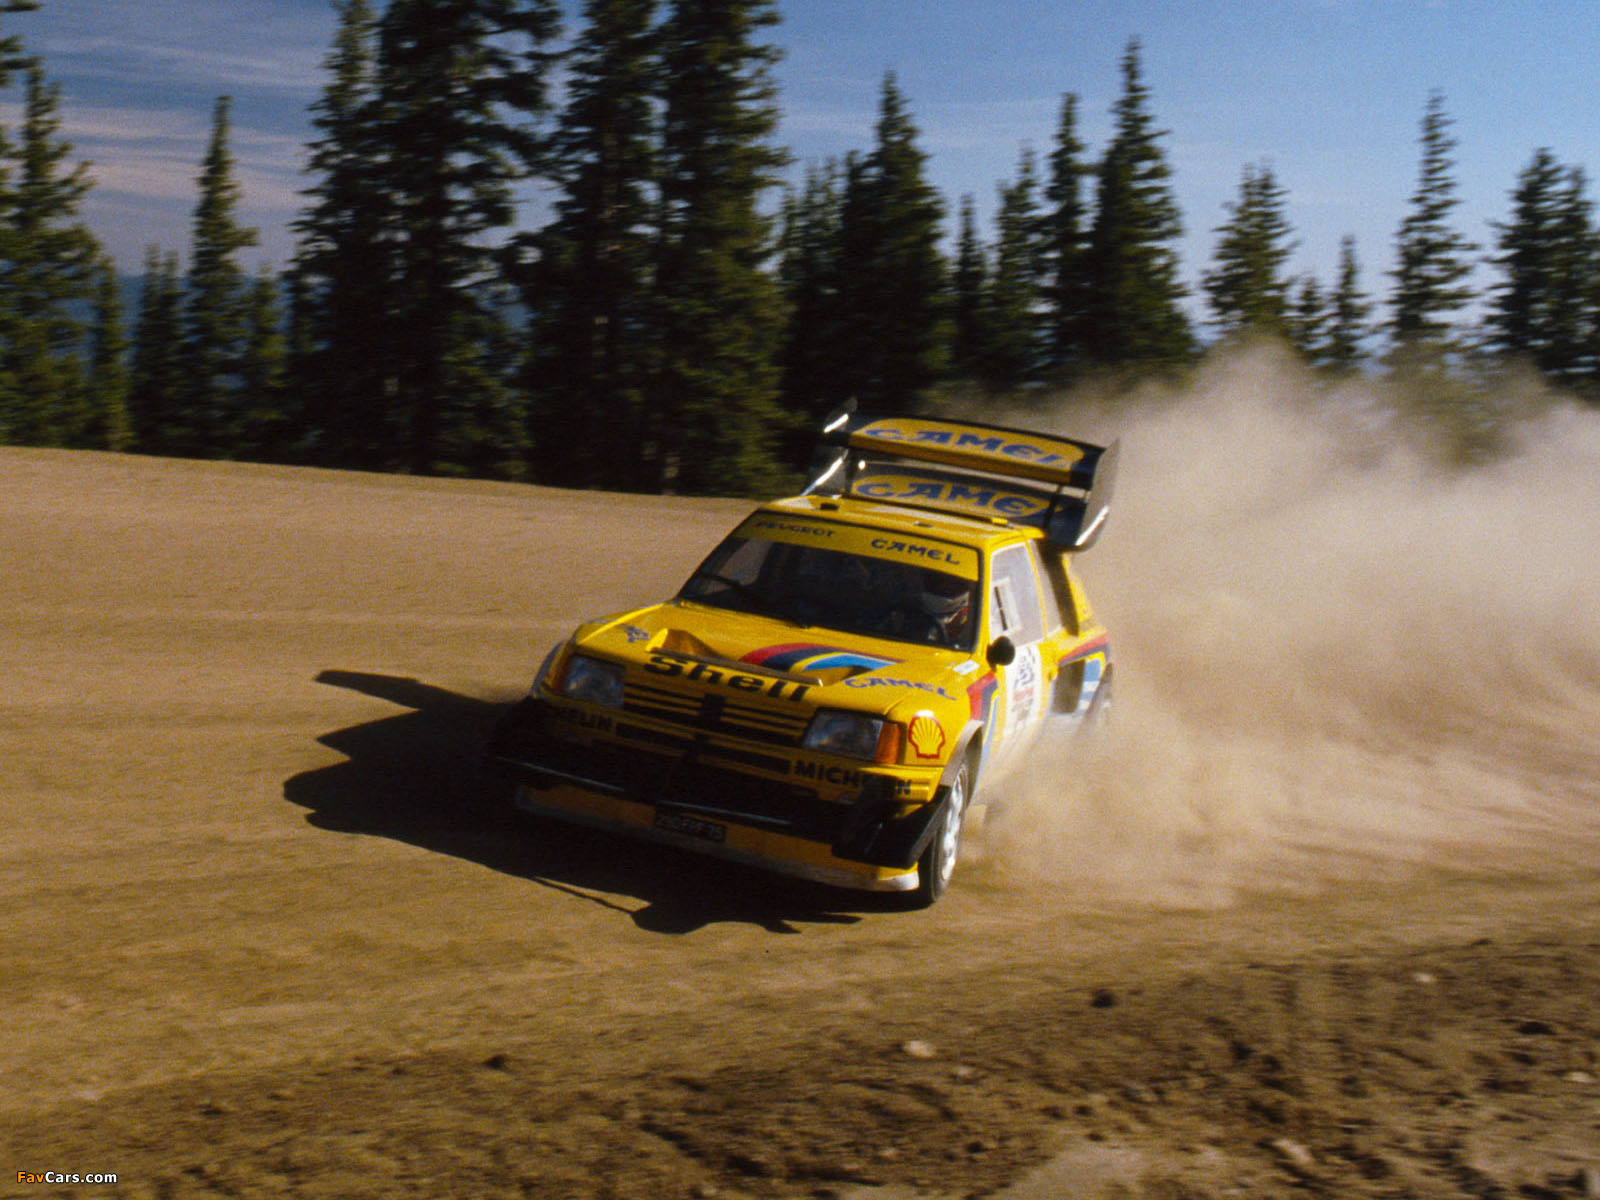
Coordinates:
[760,656]
[978,693]
[1103,642]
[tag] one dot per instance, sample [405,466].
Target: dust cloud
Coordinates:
[1335,657]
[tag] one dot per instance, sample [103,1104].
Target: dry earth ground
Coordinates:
[261,932]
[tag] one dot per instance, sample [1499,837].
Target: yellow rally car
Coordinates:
[830,689]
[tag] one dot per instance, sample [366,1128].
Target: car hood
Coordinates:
[838,669]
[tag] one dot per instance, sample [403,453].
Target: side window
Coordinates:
[1059,609]
[744,564]
[1014,607]
[1002,608]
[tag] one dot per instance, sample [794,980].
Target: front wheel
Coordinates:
[938,861]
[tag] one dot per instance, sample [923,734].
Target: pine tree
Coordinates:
[1434,260]
[10,315]
[482,427]
[1347,319]
[894,281]
[1066,244]
[214,317]
[12,56]
[341,355]
[47,275]
[155,385]
[1543,311]
[1306,320]
[1134,292]
[808,269]
[1013,299]
[109,427]
[713,395]
[264,426]
[589,291]
[969,349]
[1578,359]
[1246,287]
[461,88]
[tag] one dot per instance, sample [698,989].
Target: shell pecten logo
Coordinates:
[926,735]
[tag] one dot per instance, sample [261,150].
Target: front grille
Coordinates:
[714,712]
[677,743]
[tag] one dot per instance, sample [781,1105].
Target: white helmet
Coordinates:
[948,600]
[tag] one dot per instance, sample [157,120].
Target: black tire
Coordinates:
[938,861]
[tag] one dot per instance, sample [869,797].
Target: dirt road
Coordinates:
[259,936]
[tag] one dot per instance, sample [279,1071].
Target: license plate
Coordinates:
[706,831]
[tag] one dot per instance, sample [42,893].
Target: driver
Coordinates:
[947,599]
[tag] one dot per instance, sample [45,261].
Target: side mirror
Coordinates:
[1002,653]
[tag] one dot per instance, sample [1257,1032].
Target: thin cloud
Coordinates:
[137,141]
[266,186]
[97,125]
[137,64]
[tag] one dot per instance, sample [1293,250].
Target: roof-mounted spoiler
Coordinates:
[1061,485]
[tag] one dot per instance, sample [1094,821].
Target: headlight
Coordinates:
[853,735]
[549,672]
[592,680]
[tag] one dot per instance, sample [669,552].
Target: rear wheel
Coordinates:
[938,861]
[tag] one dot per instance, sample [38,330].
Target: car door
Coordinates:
[1016,613]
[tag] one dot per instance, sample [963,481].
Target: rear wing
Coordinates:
[1019,476]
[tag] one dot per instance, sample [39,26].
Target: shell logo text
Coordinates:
[926,735]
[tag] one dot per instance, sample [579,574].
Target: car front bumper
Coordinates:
[686,793]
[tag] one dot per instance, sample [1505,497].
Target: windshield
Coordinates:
[811,585]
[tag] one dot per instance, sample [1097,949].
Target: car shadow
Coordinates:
[416,777]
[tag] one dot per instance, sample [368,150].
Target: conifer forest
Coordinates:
[691,301]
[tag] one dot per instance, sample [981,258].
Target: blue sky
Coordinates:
[1329,92]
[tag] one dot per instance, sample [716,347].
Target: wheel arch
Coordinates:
[969,748]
